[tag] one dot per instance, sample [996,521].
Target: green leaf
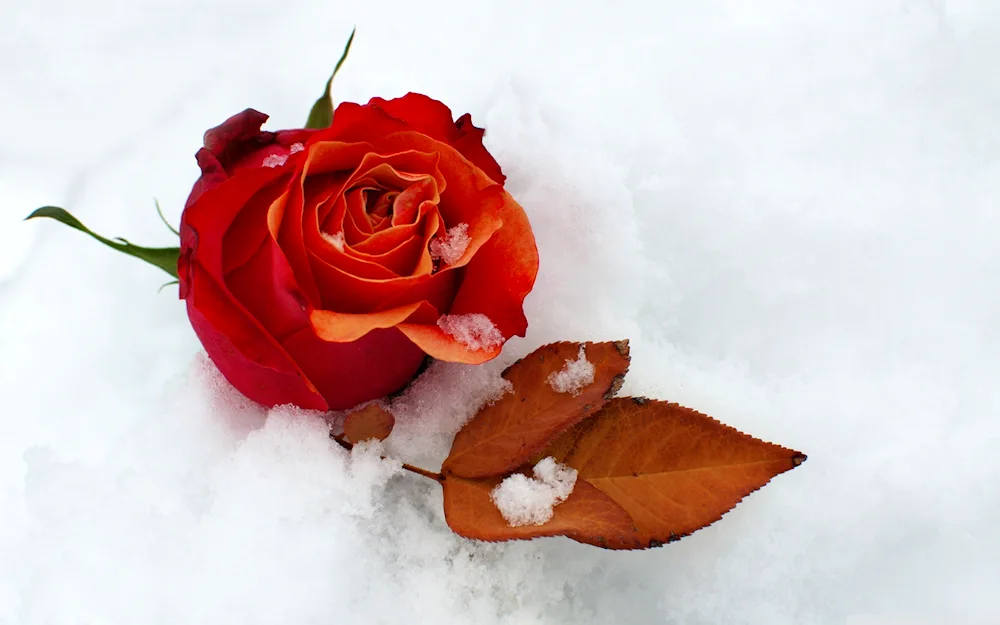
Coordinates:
[321,115]
[163,257]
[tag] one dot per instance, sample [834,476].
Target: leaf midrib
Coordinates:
[640,474]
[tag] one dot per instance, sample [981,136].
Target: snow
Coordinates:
[524,500]
[336,240]
[432,409]
[574,375]
[474,330]
[296,148]
[275,160]
[788,208]
[450,247]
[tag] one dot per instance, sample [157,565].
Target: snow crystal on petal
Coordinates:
[275,160]
[475,330]
[296,147]
[575,375]
[523,500]
[452,245]
[336,240]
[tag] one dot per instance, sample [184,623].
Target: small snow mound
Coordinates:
[575,375]
[369,464]
[275,160]
[474,330]
[503,387]
[452,245]
[296,147]
[523,500]
[435,407]
[336,240]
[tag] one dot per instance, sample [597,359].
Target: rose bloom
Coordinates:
[321,267]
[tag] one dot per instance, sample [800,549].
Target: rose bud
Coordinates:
[321,267]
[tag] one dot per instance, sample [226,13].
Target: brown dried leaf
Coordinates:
[587,515]
[505,434]
[372,421]
[672,469]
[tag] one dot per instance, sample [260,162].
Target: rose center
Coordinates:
[378,204]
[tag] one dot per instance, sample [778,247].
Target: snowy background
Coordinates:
[789,207]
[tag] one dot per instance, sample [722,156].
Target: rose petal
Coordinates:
[502,273]
[501,270]
[470,144]
[405,259]
[295,139]
[391,238]
[239,143]
[434,119]
[406,205]
[438,291]
[402,249]
[317,178]
[483,227]
[241,347]
[437,344]
[394,251]
[212,175]
[231,136]
[347,374]
[380,207]
[411,257]
[401,260]
[244,352]
[330,257]
[344,292]
[330,169]
[267,288]
[464,178]
[369,169]
[248,230]
[212,215]
[345,327]
[356,122]
[380,223]
[354,232]
[355,202]
[288,210]
[471,197]
[422,114]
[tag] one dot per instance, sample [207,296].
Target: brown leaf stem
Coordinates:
[407,467]
[437,477]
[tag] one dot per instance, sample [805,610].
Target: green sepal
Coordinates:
[321,115]
[163,257]
[166,223]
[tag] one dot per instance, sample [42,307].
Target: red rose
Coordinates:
[319,267]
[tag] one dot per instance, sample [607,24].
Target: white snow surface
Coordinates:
[574,375]
[524,500]
[789,208]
